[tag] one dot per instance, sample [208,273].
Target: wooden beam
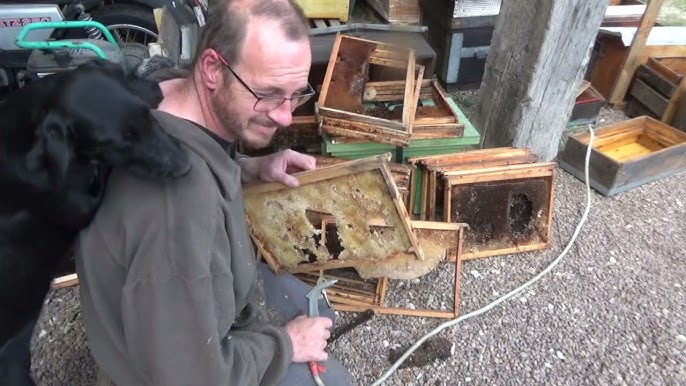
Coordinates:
[673,104]
[632,60]
[531,80]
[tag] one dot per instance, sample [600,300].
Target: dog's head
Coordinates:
[103,115]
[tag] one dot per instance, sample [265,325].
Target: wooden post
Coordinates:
[533,71]
[674,102]
[632,60]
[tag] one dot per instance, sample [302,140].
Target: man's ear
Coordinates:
[51,153]
[211,70]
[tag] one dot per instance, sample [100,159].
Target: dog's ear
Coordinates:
[51,153]
[149,91]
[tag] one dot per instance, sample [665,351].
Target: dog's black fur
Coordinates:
[59,138]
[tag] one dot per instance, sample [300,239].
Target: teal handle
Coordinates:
[65,43]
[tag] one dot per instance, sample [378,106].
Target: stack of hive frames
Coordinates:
[503,194]
[354,64]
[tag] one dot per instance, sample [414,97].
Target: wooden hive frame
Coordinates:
[351,192]
[350,295]
[401,173]
[537,206]
[429,122]
[340,109]
[431,169]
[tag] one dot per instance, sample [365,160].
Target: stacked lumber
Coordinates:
[504,195]
[659,90]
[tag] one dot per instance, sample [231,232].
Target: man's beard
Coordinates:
[223,108]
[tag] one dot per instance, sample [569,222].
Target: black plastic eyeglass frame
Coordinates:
[275,102]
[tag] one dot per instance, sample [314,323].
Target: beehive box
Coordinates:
[627,154]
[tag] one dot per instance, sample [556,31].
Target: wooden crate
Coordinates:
[627,154]
[397,11]
[508,209]
[353,63]
[659,91]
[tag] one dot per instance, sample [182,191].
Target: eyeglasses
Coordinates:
[268,103]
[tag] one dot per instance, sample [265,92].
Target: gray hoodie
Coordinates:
[168,278]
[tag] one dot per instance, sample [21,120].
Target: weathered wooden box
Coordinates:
[586,107]
[627,154]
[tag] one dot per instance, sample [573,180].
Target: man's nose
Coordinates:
[282,115]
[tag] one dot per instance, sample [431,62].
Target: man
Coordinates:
[170,289]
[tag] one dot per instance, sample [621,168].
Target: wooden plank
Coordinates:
[64,281]
[384,123]
[674,102]
[412,109]
[655,80]
[409,103]
[505,251]
[329,71]
[649,97]
[509,172]
[661,67]
[632,60]
[319,23]
[328,172]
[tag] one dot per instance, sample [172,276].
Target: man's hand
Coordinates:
[309,335]
[276,167]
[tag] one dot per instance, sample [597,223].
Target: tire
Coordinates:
[134,55]
[127,14]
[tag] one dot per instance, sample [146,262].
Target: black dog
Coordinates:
[59,138]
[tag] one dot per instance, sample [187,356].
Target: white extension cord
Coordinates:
[512,293]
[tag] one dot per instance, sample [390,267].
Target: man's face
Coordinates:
[272,66]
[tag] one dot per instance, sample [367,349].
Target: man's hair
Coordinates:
[227,24]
